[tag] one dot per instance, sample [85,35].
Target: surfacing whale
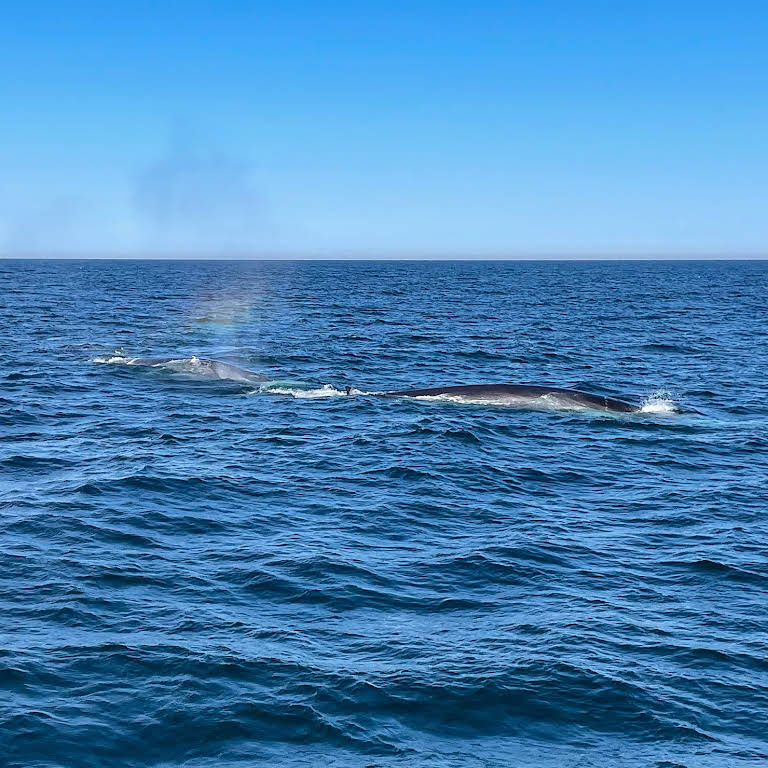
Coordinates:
[515,395]
[201,367]
[522,395]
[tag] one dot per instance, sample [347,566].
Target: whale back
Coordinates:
[522,394]
[201,367]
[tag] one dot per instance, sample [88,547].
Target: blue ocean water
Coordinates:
[205,571]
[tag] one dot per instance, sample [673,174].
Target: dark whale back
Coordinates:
[524,392]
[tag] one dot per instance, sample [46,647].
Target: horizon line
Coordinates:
[402,256]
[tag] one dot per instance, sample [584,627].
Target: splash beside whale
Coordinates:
[522,395]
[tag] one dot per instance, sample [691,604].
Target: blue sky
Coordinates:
[384,128]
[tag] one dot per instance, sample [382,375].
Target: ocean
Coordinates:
[201,570]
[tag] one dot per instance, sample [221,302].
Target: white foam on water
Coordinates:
[327,390]
[659,402]
[114,359]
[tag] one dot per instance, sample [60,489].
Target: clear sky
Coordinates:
[534,128]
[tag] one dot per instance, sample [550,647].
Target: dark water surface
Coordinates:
[197,572]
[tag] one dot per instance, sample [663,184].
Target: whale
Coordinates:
[521,395]
[200,367]
[516,395]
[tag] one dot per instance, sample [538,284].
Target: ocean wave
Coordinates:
[194,575]
[717,569]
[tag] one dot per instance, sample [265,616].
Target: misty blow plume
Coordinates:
[201,199]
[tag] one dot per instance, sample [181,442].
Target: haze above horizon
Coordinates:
[513,129]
